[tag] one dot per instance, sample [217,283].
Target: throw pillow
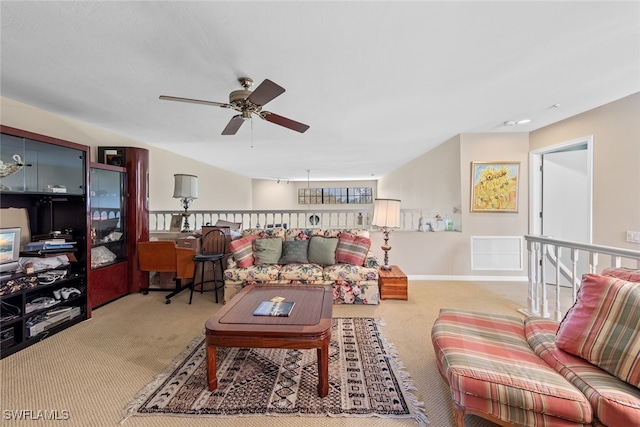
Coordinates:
[322,250]
[294,252]
[267,250]
[242,250]
[352,249]
[628,274]
[603,326]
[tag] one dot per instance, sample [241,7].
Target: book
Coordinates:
[271,308]
[53,241]
[34,246]
[43,246]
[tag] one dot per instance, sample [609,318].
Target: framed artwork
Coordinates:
[494,186]
[176,223]
[112,156]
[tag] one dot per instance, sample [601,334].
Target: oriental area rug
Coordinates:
[366,379]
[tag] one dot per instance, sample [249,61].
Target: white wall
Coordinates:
[269,195]
[511,147]
[218,189]
[430,181]
[616,165]
[441,178]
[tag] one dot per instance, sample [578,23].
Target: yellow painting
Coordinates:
[494,186]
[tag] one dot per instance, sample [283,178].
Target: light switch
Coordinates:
[633,236]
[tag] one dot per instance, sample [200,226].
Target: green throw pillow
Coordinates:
[268,250]
[294,252]
[322,250]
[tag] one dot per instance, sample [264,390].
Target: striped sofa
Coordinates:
[351,283]
[584,371]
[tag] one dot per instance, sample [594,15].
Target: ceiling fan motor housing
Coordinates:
[238,96]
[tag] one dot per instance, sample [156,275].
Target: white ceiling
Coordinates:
[379,83]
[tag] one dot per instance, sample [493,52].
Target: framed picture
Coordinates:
[494,186]
[111,156]
[176,223]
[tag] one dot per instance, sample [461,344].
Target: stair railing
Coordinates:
[540,248]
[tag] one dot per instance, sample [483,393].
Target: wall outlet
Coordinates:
[633,236]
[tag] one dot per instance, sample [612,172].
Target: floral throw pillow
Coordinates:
[242,250]
[352,249]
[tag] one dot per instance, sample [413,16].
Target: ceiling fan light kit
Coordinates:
[248,102]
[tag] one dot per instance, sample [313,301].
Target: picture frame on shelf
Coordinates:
[494,186]
[114,156]
[176,223]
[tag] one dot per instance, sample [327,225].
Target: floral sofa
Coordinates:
[337,258]
[584,371]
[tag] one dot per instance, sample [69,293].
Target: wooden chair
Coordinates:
[214,245]
[164,256]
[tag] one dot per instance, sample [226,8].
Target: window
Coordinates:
[335,196]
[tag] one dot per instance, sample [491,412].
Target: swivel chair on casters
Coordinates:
[213,248]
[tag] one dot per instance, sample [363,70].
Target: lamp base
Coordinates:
[386,248]
[186,228]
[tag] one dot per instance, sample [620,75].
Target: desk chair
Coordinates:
[165,257]
[214,244]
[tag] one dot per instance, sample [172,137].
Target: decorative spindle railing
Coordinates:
[304,218]
[544,251]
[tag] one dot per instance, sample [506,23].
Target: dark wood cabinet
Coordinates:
[136,165]
[109,273]
[49,184]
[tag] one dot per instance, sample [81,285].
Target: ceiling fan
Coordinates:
[247,103]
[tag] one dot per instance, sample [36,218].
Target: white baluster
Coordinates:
[544,308]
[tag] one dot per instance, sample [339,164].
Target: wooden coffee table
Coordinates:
[308,326]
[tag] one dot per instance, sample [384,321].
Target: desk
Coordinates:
[187,240]
[169,235]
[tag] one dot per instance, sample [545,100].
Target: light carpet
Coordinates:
[366,379]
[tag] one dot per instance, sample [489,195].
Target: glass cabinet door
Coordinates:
[107,200]
[38,167]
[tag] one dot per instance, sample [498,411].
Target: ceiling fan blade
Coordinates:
[283,121]
[264,93]
[194,101]
[233,125]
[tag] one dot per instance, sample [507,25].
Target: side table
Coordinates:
[392,283]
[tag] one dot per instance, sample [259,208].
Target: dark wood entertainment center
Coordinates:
[54,188]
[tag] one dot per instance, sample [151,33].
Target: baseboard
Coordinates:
[470,278]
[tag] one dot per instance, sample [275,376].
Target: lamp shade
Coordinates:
[185,186]
[386,213]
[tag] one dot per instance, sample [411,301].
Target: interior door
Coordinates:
[566,205]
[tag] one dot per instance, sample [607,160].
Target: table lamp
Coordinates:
[386,215]
[186,189]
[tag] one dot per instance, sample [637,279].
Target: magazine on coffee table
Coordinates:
[271,308]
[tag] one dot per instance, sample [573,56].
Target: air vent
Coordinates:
[501,253]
